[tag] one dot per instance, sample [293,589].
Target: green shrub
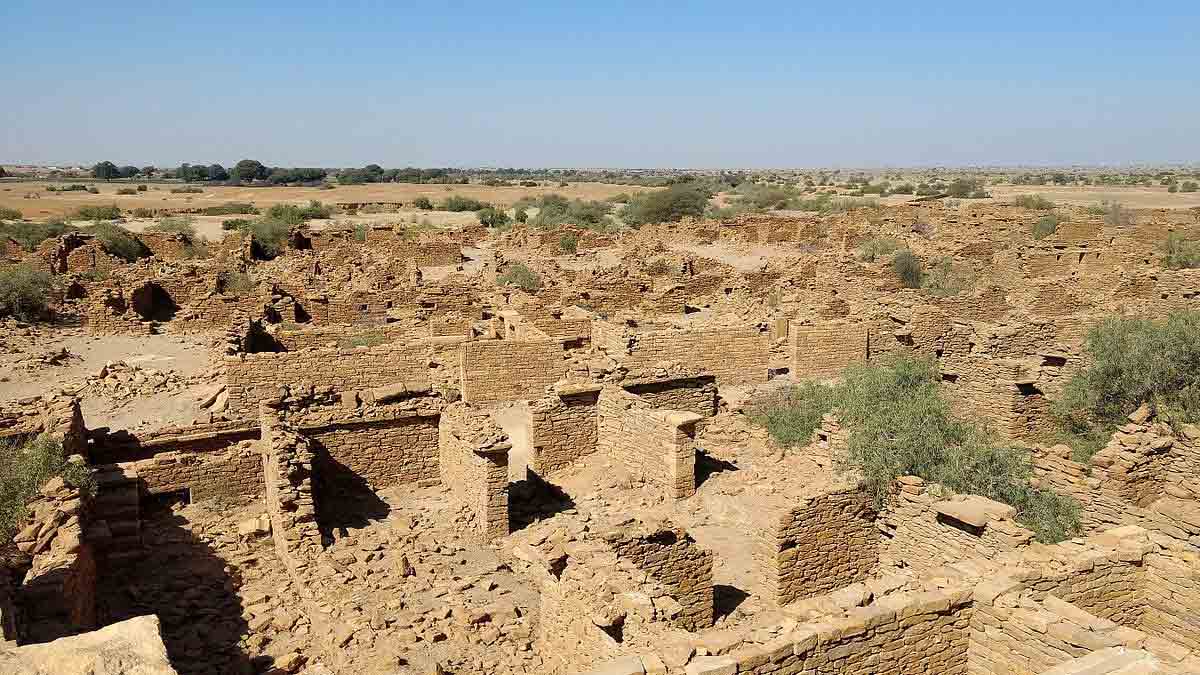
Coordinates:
[1180,253]
[143,212]
[187,190]
[1189,186]
[966,188]
[520,276]
[945,280]
[908,268]
[28,466]
[1037,202]
[270,235]
[230,209]
[141,188]
[669,205]
[1045,226]
[423,204]
[492,217]
[235,224]
[458,203]
[24,292]
[875,247]
[10,214]
[118,241]
[898,424]
[1131,362]
[29,235]
[126,191]
[360,231]
[98,212]
[520,215]
[291,214]
[568,242]
[184,225]
[234,282]
[1114,214]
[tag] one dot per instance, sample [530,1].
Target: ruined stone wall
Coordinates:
[252,379]
[656,446]
[291,503]
[823,351]
[1171,593]
[382,452]
[167,245]
[823,543]
[232,474]
[509,370]
[1009,637]
[734,355]
[473,465]
[693,394]
[923,531]
[563,428]
[672,558]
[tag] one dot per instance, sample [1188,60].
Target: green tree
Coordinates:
[248,170]
[217,172]
[105,171]
[669,205]
[127,171]
[492,217]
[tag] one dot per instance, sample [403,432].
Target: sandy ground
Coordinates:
[1131,197]
[58,204]
[133,406]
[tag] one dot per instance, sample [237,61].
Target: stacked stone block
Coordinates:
[563,427]
[473,465]
[287,468]
[733,354]
[822,351]
[672,558]
[656,446]
[509,370]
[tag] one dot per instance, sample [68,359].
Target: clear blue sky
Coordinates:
[635,84]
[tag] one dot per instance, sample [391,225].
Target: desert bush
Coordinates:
[1114,213]
[520,215]
[1180,253]
[143,212]
[292,214]
[230,209]
[904,189]
[184,225]
[898,425]
[967,188]
[1045,226]
[876,247]
[944,280]
[98,212]
[94,190]
[126,191]
[24,292]
[270,234]
[10,214]
[118,241]
[492,217]
[141,188]
[360,231]
[423,204]
[234,282]
[1189,186]
[235,224]
[187,190]
[568,242]
[28,466]
[760,197]
[908,268]
[669,205]
[458,203]
[1132,362]
[29,235]
[520,276]
[1033,202]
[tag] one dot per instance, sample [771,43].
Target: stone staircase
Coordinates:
[116,513]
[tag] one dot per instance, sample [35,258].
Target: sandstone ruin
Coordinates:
[399,466]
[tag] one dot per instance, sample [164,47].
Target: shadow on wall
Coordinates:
[345,500]
[726,599]
[153,303]
[707,466]
[182,581]
[534,499]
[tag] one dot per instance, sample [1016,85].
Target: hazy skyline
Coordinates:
[614,84]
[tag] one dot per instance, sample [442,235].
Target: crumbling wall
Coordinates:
[233,474]
[922,530]
[822,543]
[657,446]
[733,354]
[690,394]
[473,462]
[672,558]
[383,451]
[824,350]
[252,379]
[563,427]
[1171,592]
[509,370]
[291,503]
